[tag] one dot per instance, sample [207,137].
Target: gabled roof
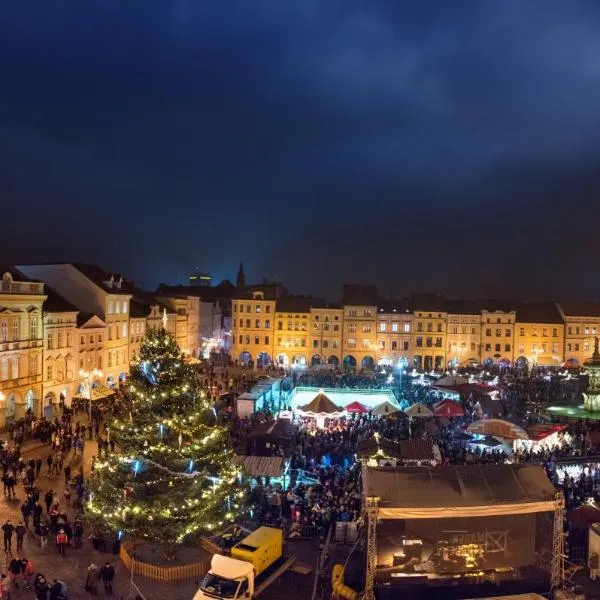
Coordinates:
[55,303]
[89,320]
[360,294]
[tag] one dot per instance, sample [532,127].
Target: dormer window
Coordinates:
[258,295]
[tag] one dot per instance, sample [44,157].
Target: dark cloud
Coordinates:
[435,146]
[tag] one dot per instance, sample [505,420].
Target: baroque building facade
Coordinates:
[423,331]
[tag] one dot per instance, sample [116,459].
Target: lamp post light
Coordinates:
[89,377]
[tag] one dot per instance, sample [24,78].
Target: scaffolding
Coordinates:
[557,565]
[372,508]
[558,542]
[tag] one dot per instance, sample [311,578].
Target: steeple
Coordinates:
[240,282]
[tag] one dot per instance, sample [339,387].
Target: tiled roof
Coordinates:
[260,466]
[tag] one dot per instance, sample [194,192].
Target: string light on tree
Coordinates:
[173,476]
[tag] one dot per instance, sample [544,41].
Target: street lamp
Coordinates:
[89,376]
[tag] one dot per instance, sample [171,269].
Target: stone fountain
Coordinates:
[592,369]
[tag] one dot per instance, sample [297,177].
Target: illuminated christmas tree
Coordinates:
[172,474]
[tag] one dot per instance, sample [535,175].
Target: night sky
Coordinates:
[423,146]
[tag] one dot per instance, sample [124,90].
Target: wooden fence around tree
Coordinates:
[160,573]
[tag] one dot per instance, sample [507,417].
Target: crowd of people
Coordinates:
[50,490]
[329,455]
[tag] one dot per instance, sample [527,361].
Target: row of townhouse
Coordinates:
[65,327]
[422,331]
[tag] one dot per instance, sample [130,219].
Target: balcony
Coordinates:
[21,287]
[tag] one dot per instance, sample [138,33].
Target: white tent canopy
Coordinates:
[418,409]
[385,408]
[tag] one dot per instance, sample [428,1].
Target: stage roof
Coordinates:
[442,492]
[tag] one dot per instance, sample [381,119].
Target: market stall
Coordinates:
[418,409]
[320,408]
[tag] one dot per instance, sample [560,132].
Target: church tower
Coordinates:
[240,282]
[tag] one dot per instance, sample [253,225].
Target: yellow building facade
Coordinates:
[394,334]
[429,332]
[582,325]
[326,335]
[60,355]
[463,334]
[292,333]
[360,336]
[252,328]
[21,344]
[497,336]
[539,335]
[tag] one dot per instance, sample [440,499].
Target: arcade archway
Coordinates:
[522,363]
[263,360]
[245,358]
[349,362]
[333,360]
[316,360]
[367,363]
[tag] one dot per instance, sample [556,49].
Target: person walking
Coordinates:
[61,542]
[11,481]
[8,530]
[44,534]
[26,512]
[77,533]
[67,474]
[20,530]
[37,514]
[57,590]
[107,574]
[5,587]
[38,466]
[49,463]
[41,588]
[15,568]
[48,499]
[91,579]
